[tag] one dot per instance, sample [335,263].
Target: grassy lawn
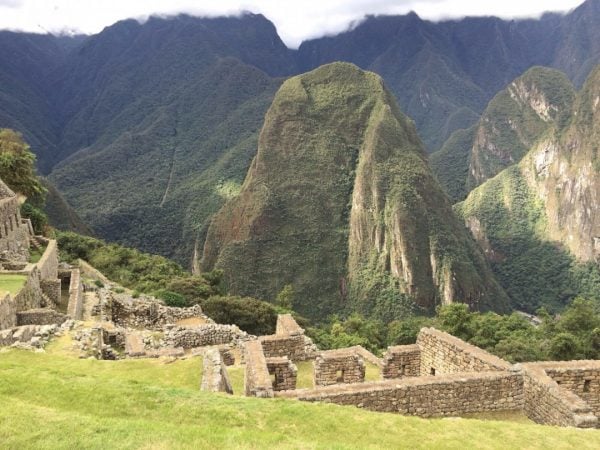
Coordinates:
[35,255]
[54,401]
[12,283]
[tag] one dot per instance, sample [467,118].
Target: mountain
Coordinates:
[60,214]
[161,123]
[445,73]
[145,129]
[28,63]
[339,202]
[537,220]
[515,118]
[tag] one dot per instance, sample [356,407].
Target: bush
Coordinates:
[172,298]
[251,315]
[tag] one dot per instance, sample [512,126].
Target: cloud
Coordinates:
[295,20]
[10,3]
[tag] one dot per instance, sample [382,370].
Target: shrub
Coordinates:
[172,298]
[251,315]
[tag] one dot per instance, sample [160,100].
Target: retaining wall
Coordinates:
[202,335]
[14,234]
[30,295]
[449,395]
[40,316]
[149,313]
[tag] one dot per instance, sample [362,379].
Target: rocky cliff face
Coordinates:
[564,172]
[340,202]
[516,118]
[549,200]
[513,121]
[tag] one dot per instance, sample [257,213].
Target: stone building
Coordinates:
[14,231]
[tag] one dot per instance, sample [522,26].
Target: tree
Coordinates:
[17,164]
[285,298]
[564,347]
[456,320]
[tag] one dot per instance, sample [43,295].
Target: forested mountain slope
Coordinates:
[340,202]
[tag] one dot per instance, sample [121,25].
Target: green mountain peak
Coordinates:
[340,202]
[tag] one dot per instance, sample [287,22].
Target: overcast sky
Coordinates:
[295,20]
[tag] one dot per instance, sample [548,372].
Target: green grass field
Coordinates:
[56,401]
[11,283]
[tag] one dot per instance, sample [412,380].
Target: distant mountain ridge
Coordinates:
[160,119]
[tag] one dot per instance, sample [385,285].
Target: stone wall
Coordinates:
[289,340]
[442,354]
[91,272]
[402,361]
[449,395]
[14,234]
[51,289]
[548,402]
[48,263]
[8,311]
[202,335]
[286,324]
[291,345]
[30,295]
[338,366]
[214,373]
[148,313]
[580,377]
[284,373]
[75,306]
[40,316]
[257,381]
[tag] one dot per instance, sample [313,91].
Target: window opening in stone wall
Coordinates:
[402,369]
[432,371]
[586,385]
[339,376]
[274,379]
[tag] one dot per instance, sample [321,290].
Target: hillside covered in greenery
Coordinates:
[160,119]
[340,203]
[537,220]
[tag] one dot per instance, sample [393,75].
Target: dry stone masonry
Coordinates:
[214,373]
[402,361]
[257,381]
[14,231]
[442,353]
[148,313]
[284,373]
[338,366]
[289,340]
[443,376]
[203,335]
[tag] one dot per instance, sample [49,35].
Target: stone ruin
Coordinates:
[440,375]
[338,366]
[31,315]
